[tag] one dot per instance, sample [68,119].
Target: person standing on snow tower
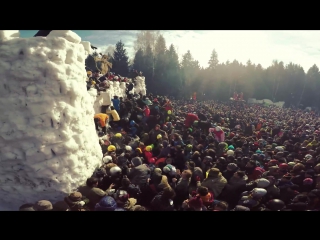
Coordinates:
[101,120]
[116,103]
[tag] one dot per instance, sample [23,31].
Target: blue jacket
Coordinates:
[116,104]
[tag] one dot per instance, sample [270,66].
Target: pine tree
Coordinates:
[213,62]
[120,60]
[138,61]
[172,73]
[148,65]
[160,59]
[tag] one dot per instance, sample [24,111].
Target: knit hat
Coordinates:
[28,207]
[75,196]
[308,157]
[115,170]
[196,202]
[122,161]
[61,206]
[122,195]
[232,166]
[230,152]
[307,181]
[169,169]
[258,192]
[128,148]
[283,166]
[214,172]
[315,193]
[107,203]
[189,147]
[240,208]
[287,176]
[107,159]
[136,161]
[231,147]
[152,161]
[262,183]
[280,148]
[118,135]
[247,202]
[112,148]
[43,205]
[101,172]
[158,170]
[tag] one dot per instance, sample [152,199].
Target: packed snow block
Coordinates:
[87,47]
[66,34]
[116,87]
[140,86]
[48,142]
[8,34]
[123,88]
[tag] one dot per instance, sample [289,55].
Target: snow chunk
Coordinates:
[67,34]
[8,34]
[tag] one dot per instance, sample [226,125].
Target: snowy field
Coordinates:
[48,142]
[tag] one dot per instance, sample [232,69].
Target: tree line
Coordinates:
[165,74]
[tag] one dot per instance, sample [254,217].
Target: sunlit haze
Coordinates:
[299,47]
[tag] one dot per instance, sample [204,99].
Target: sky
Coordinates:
[260,46]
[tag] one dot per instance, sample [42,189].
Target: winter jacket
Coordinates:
[190,119]
[139,175]
[158,204]
[102,118]
[116,104]
[114,114]
[215,185]
[93,194]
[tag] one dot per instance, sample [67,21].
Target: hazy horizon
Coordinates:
[260,46]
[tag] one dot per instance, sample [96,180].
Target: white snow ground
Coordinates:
[48,142]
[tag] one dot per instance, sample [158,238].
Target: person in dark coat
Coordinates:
[163,200]
[139,173]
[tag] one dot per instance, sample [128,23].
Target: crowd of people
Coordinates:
[161,154]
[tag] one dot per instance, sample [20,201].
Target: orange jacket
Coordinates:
[102,118]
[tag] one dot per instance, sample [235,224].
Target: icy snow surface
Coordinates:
[48,142]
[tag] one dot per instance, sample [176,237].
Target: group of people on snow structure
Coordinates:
[163,154]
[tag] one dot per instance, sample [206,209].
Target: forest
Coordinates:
[165,74]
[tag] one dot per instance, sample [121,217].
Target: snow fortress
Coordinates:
[48,142]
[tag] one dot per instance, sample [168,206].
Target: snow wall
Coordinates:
[116,89]
[48,142]
[265,101]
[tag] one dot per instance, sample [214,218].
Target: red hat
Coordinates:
[196,202]
[152,161]
[308,181]
[283,166]
[274,161]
